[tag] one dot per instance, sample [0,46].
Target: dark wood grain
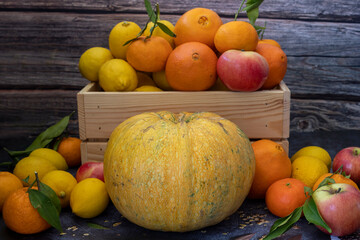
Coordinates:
[41,50]
[329,10]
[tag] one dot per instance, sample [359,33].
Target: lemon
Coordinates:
[120,34]
[314,151]
[52,156]
[308,169]
[144,79]
[160,33]
[147,88]
[62,183]
[27,167]
[89,198]
[91,61]
[117,75]
[160,80]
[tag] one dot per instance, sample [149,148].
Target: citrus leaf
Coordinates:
[253,14]
[252,4]
[96,226]
[312,214]
[45,189]
[44,138]
[150,11]
[45,208]
[165,29]
[281,225]
[326,181]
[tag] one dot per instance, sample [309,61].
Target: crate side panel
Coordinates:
[258,114]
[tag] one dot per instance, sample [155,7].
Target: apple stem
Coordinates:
[356,151]
[337,191]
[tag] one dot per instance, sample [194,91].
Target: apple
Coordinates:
[242,70]
[90,170]
[349,158]
[339,206]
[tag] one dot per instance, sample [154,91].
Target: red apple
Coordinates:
[349,158]
[90,170]
[242,70]
[339,206]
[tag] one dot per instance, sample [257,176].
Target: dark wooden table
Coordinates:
[251,217]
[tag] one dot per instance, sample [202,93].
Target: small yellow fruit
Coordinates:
[8,184]
[120,34]
[117,75]
[160,80]
[89,198]
[27,167]
[314,151]
[52,156]
[147,88]
[62,183]
[144,79]
[160,33]
[308,169]
[91,61]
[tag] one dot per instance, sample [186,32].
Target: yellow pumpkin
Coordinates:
[178,172]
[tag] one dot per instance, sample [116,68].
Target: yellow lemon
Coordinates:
[89,198]
[52,156]
[91,61]
[314,151]
[308,169]
[117,75]
[147,88]
[160,80]
[27,167]
[62,183]
[120,34]
[160,33]
[144,79]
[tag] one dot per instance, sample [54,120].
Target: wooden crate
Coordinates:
[260,114]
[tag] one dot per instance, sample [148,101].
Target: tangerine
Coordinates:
[272,164]
[269,41]
[148,54]
[237,35]
[339,178]
[191,67]
[197,25]
[284,196]
[20,216]
[277,61]
[8,184]
[69,148]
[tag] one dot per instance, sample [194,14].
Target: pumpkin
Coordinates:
[178,172]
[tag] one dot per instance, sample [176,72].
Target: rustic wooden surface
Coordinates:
[41,42]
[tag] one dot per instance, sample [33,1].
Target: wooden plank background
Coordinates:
[41,42]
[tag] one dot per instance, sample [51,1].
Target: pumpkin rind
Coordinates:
[178,172]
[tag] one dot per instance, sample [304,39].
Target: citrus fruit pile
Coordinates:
[183,57]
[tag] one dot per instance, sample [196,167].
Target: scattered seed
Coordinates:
[63,233]
[86,234]
[116,224]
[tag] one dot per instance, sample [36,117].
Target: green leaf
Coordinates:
[150,11]
[96,226]
[45,208]
[253,14]
[252,4]
[312,214]
[45,189]
[325,182]
[281,225]
[44,138]
[165,29]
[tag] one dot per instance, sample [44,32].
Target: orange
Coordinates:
[338,179]
[238,35]
[148,54]
[284,196]
[277,61]
[8,184]
[270,41]
[69,148]
[20,216]
[191,67]
[197,25]
[272,164]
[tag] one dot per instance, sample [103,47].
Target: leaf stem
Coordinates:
[239,10]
